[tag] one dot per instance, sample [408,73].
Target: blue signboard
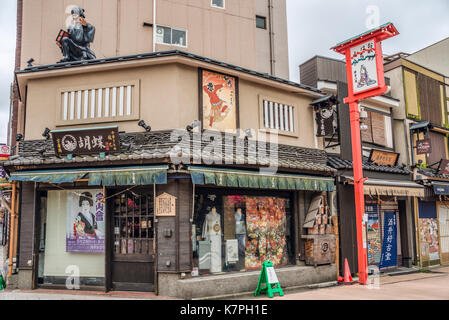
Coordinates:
[442,189]
[389,255]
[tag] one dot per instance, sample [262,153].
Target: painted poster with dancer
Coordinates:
[364,69]
[85,222]
[219,101]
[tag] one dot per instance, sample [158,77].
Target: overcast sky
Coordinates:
[314,26]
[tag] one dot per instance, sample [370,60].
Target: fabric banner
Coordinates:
[389,255]
[266,220]
[373,233]
[85,222]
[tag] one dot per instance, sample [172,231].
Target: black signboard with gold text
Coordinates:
[86,141]
[423,146]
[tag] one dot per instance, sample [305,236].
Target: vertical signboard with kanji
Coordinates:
[389,255]
[364,67]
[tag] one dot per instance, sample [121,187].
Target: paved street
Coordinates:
[433,285]
[75,295]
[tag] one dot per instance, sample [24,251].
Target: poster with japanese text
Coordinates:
[373,233]
[85,221]
[219,101]
[364,68]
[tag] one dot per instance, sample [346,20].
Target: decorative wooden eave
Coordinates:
[381,33]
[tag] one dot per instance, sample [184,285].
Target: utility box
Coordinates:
[320,249]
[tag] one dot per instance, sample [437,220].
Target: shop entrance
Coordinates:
[132,256]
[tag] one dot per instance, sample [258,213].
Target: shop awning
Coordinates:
[378,187]
[257,180]
[441,188]
[122,176]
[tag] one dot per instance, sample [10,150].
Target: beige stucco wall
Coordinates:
[168,100]
[400,123]
[434,57]
[228,35]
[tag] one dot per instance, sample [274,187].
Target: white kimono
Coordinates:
[212,233]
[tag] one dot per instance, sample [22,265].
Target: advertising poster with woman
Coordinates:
[85,222]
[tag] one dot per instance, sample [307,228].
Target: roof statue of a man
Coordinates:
[75,44]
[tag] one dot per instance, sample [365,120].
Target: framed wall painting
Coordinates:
[218,101]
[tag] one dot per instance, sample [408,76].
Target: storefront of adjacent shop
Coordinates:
[150,225]
[389,196]
[433,219]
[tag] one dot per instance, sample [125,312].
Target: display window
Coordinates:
[72,237]
[233,233]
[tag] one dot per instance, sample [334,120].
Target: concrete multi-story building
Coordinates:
[174,208]
[433,57]
[248,33]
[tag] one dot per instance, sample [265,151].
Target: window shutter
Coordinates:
[367,135]
[438,148]
[378,125]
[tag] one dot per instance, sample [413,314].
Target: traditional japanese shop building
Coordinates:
[424,112]
[128,199]
[389,188]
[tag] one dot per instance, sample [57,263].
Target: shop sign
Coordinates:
[5,151]
[325,121]
[444,166]
[384,158]
[441,189]
[423,146]
[364,67]
[165,205]
[86,141]
[268,281]
[389,245]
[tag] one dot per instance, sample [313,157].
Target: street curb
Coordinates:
[250,294]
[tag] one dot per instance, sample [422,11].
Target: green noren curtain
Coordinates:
[98,177]
[46,177]
[244,179]
[128,178]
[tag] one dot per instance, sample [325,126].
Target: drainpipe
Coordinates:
[271,33]
[412,148]
[12,228]
[154,25]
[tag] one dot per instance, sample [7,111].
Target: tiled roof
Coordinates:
[160,54]
[159,146]
[340,164]
[432,173]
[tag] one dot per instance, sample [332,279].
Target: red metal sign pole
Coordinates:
[358,191]
[362,63]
